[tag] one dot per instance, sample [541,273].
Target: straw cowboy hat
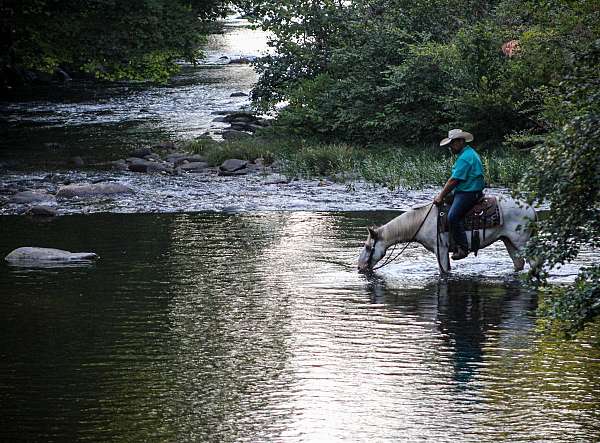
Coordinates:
[453,134]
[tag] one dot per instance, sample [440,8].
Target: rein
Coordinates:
[390,259]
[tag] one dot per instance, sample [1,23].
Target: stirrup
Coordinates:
[460,254]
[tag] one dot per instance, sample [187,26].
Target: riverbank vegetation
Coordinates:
[106,39]
[386,165]
[518,74]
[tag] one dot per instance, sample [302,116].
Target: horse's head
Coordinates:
[372,252]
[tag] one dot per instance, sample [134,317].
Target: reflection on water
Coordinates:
[256,327]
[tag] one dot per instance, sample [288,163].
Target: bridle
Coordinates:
[390,259]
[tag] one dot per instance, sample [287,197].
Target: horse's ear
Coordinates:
[372,232]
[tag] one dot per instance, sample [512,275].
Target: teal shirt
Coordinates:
[469,170]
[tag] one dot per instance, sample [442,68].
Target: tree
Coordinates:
[111,39]
[566,175]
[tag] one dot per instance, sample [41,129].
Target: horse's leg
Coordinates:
[514,252]
[443,258]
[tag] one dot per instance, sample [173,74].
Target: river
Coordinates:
[256,327]
[231,310]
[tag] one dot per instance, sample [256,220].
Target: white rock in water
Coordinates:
[33,254]
[87,190]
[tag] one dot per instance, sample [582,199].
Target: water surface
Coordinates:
[256,327]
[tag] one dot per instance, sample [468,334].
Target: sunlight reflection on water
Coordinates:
[256,327]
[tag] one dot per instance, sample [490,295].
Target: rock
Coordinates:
[241,60]
[232,173]
[276,179]
[140,165]
[239,94]
[76,161]
[241,117]
[233,164]
[120,165]
[181,158]
[33,255]
[42,211]
[231,134]
[165,145]
[194,166]
[141,153]
[245,127]
[31,197]
[220,120]
[225,112]
[91,190]
[62,76]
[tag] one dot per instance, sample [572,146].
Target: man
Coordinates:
[467,183]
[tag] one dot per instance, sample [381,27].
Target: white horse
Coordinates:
[514,233]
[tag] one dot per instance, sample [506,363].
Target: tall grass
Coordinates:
[393,167]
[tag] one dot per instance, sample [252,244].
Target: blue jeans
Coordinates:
[463,201]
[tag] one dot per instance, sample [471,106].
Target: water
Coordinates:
[256,327]
[106,121]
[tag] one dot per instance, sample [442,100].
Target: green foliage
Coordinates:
[216,153]
[565,175]
[138,39]
[408,168]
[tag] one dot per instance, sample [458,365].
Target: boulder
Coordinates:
[120,165]
[42,211]
[239,94]
[232,134]
[249,127]
[242,60]
[178,158]
[233,173]
[34,255]
[141,153]
[241,117]
[62,76]
[140,165]
[91,190]
[194,166]
[221,120]
[31,197]
[233,164]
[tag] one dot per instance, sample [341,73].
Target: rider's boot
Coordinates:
[460,253]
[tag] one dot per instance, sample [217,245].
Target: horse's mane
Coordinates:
[403,227]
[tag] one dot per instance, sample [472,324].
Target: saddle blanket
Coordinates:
[485,214]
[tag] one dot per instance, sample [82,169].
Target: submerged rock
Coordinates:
[94,189]
[42,211]
[31,197]
[33,255]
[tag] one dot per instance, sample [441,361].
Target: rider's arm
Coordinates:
[448,187]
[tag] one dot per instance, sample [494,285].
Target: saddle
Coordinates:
[485,214]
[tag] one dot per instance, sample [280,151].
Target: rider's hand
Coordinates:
[438,200]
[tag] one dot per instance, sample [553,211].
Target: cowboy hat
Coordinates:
[453,134]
